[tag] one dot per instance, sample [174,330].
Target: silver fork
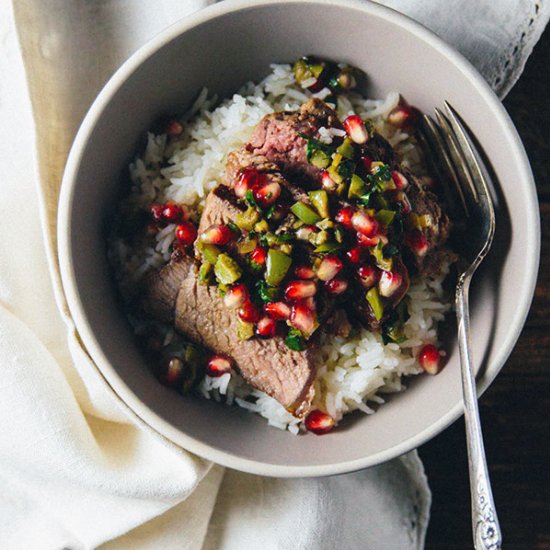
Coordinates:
[458,160]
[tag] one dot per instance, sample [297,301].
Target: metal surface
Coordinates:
[460,163]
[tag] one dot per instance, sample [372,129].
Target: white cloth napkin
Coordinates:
[77,470]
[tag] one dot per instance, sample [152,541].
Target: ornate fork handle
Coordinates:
[485,526]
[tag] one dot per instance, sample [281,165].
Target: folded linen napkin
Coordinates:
[78,470]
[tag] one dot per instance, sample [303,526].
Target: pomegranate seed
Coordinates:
[344,216]
[278,310]
[171,372]
[356,130]
[367,161]
[319,422]
[217,234]
[327,182]
[368,275]
[248,178]
[364,223]
[218,365]
[363,240]
[267,194]
[389,283]
[236,296]
[399,179]
[258,255]
[156,211]
[402,198]
[302,318]
[430,359]
[354,255]
[173,128]
[329,267]
[336,286]
[186,233]
[404,116]
[249,312]
[304,272]
[298,290]
[171,212]
[266,327]
[417,242]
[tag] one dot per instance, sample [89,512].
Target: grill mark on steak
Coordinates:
[269,365]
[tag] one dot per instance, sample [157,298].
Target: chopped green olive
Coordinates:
[227,270]
[261,226]
[319,199]
[384,263]
[316,69]
[205,272]
[326,247]
[246,220]
[319,158]
[305,213]
[210,252]
[334,175]
[247,245]
[245,330]
[385,216]
[357,187]
[277,265]
[301,71]
[373,298]
[346,149]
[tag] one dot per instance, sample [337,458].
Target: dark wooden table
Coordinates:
[515,410]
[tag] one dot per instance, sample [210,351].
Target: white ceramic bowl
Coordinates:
[222,47]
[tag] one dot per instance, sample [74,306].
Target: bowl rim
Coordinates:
[132,405]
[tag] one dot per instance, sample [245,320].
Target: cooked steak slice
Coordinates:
[242,158]
[160,288]
[277,137]
[268,365]
[424,202]
[220,207]
[378,148]
[338,323]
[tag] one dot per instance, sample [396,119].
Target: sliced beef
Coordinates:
[173,294]
[220,207]
[160,288]
[277,137]
[338,323]
[268,365]
[424,202]
[379,149]
[243,158]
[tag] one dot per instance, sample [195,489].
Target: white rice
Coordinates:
[352,372]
